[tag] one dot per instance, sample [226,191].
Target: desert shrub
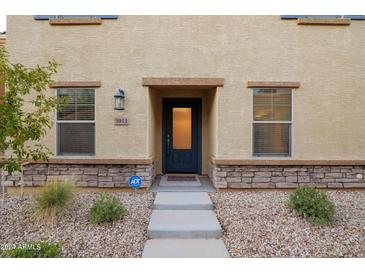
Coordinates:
[54,197]
[312,205]
[34,250]
[106,209]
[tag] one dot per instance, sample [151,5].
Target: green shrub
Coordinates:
[312,205]
[106,209]
[34,250]
[54,197]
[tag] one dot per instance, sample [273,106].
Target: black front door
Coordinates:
[181,135]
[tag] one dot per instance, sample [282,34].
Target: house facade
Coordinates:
[250,101]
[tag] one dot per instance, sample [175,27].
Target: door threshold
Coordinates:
[181,174]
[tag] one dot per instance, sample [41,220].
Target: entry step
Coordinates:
[183,224]
[183,201]
[185,248]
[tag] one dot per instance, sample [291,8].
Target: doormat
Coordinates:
[179,181]
[181,178]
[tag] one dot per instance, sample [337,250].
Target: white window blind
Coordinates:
[76,122]
[272,120]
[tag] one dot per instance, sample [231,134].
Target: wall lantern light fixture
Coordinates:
[119,97]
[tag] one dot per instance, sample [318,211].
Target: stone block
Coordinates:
[327,180]
[90,171]
[291,179]
[247,174]
[261,179]
[119,178]
[246,180]
[262,174]
[321,169]
[321,185]
[333,175]
[304,179]
[289,173]
[278,179]
[92,183]
[106,184]
[220,174]
[290,169]
[39,183]
[67,172]
[28,183]
[219,179]
[122,183]
[13,178]
[222,184]
[252,168]
[53,172]
[287,185]
[105,179]
[233,179]
[89,178]
[354,185]
[347,180]
[143,174]
[335,185]
[275,169]
[307,184]
[263,185]
[8,183]
[228,169]
[239,185]
[39,177]
[318,175]
[360,170]
[233,174]
[81,184]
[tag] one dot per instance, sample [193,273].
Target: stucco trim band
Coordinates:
[322,21]
[177,81]
[74,84]
[80,161]
[273,84]
[75,22]
[232,162]
[96,161]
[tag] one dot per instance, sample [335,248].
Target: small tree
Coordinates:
[24,114]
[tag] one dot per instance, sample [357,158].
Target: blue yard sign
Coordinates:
[135,182]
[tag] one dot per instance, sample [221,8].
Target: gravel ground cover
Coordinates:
[80,238]
[259,224]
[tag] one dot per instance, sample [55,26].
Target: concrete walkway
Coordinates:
[184,225]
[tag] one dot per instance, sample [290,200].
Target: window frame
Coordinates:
[57,122]
[49,17]
[352,17]
[276,155]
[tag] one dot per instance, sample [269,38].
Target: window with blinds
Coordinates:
[76,122]
[272,121]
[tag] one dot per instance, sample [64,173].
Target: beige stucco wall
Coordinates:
[328,61]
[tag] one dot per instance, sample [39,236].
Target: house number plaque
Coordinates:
[121,121]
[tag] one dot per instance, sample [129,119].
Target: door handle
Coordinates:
[168,144]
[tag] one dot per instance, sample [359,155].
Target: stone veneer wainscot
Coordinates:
[84,175]
[287,176]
